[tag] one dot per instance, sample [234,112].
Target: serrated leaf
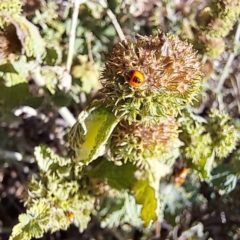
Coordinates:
[123,177]
[47,160]
[51,79]
[27,228]
[119,210]
[34,229]
[223,178]
[43,157]
[19,234]
[89,135]
[40,212]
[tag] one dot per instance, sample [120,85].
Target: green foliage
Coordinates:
[217,20]
[223,133]
[112,174]
[28,35]
[119,210]
[203,141]
[9,7]
[87,73]
[145,195]
[223,178]
[142,188]
[124,177]
[50,199]
[33,223]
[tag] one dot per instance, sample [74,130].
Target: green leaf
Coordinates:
[40,212]
[49,161]
[6,115]
[89,135]
[30,224]
[53,55]
[118,177]
[12,97]
[10,75]
[24,219]
[124,177]
[34,102]
[223,178]
[119,210]
[20,65]
[88,73]
[203,166]
[34,229]
[146,196]
[62,100]
[19,234]
[29,36]
[43,157]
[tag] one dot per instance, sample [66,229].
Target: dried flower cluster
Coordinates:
[147,83]
[206,140]
[136,142]
[171,71]
[215,22]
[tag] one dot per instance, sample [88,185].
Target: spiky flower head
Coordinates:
[215,21]
[223,15]
[138,143]
[223,133]
[212,47]
[197,141]
[171,77]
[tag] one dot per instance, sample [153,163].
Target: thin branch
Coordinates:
[67,116]
[15,156]
[89,46]
[114,20]
[6,155]
[158,228]
[229,61]
[72,34]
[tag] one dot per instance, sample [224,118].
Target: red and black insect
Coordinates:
[134,77]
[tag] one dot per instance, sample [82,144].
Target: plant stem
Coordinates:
[72,34]
[114,20]
[229,61]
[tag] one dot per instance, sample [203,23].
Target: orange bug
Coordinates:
[70,216]
[134,77]
[180,176]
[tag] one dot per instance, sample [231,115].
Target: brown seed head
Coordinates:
[171,71]
[136,142]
